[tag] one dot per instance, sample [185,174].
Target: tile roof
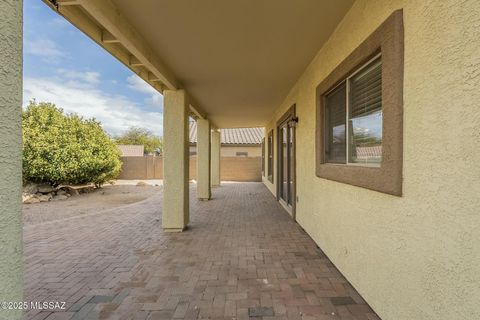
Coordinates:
[232,136]
[369,152]
[131,150]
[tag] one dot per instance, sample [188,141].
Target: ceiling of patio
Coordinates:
[238,59]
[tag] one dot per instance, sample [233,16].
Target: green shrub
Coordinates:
[61,148]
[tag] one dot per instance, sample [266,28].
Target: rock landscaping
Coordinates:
[35,193]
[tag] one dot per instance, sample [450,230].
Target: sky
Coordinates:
[65,67]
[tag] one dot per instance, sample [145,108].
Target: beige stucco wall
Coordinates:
[175,215]
[11,268]
[231,168]
[241,169]
[215,158]
[415,257]
[203,159]
[227,151]
[144,167]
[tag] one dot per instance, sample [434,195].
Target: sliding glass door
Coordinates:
[286,163]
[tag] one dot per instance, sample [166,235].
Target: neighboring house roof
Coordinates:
[131,150]
[369,152]
[233,136]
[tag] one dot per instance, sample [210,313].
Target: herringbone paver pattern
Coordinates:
[242,257]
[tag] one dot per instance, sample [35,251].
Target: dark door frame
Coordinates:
[287,116]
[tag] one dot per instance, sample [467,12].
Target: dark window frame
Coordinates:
[270,159]
[344,87]
[289,115]
[263,157]
[388,39]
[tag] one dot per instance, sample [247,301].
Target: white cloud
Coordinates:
[138,84]
[90,77]
[116,112]
[43,47]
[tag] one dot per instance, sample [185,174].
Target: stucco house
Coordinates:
[372,144]
[235,142]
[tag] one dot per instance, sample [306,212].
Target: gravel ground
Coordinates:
[106,198]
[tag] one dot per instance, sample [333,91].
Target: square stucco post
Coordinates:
[203,160]
[176,161]
[11,253]
[215,158]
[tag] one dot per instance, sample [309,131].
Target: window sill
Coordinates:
[381,179]
[353,165]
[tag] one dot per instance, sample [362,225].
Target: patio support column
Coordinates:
[11,248]
[203,159]
[215,155]
[176,161]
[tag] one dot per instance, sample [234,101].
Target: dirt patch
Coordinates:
[106,198]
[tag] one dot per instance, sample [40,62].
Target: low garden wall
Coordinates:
[231,168]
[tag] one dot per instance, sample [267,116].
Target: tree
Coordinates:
[141,136]
[61,148]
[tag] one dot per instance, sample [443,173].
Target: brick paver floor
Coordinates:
[242,257]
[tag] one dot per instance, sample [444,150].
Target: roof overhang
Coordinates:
[236,59]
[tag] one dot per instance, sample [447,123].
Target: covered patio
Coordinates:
[242,257]
[370,110]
